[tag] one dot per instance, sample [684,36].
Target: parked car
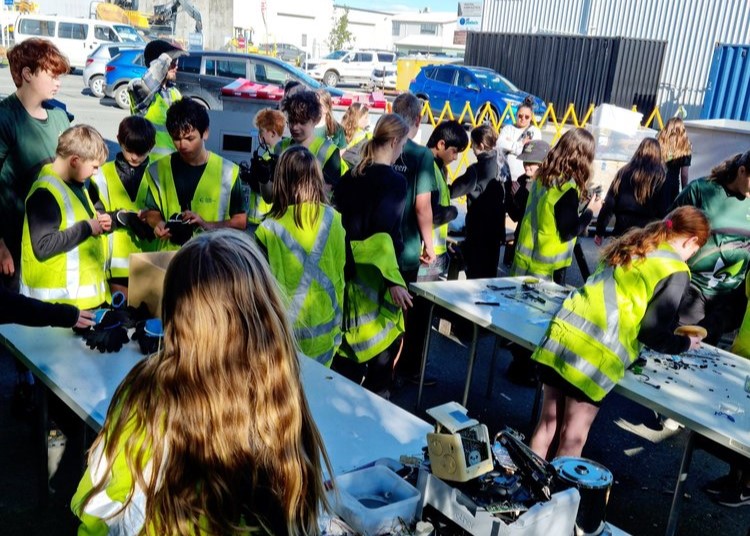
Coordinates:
[75,37]
[96,64]
[355,66]
[285,52]
[121,69]
[458,84]
[384,77]
[310,63]
[202,74]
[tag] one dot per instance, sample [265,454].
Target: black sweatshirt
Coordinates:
[43,213]
[660,320]
[628,212]
[485,210]
[19,309]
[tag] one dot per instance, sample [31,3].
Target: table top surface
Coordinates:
[357,426]
[705,389]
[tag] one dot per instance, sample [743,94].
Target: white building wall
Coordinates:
[305,23]
[371,29]
[691,28]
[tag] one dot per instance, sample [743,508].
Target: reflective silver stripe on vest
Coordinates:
[363,346]
[533,253]
[226,188]
[322,153]
[72,260]
[579,363]
[310,272]
[162,151]
[101,183]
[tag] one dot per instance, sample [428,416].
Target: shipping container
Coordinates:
[727,95]
[690,27]
[565,69]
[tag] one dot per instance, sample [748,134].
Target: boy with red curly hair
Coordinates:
[29,128]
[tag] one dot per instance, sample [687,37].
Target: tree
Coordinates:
[340,36]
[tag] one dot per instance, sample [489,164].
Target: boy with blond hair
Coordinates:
[62,247]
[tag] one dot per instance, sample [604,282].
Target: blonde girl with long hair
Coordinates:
[328,127]
[636,196]
[305,243]
[356,123]
[552,220]
[213,434]
[629,301]
[371,198]
[677,153]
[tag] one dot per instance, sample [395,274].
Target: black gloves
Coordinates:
[180,230]
[148,334]
[109,334]
[138,227]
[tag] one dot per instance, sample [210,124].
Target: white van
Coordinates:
[76,38]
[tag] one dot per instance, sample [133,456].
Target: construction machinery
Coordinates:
[162,20]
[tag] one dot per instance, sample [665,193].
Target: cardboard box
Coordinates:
[146,281]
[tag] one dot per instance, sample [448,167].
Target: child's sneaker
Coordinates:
[735,497]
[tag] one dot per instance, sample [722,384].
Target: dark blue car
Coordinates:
[458,84]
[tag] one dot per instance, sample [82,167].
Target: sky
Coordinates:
[402,5]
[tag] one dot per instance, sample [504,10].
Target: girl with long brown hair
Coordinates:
[636,195]
[328,127]
[677,153]
[552,220]
[629,301]
[213,434]
[304,241]
[371,198]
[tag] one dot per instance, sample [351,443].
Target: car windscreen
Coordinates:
[495,82]
[128,34]
[272,74]
[335,55]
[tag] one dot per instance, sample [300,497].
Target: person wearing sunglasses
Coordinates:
[153,93]
[513,138]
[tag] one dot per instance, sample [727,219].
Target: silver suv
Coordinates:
[355,66]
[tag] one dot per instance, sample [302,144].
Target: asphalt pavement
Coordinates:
[626,437]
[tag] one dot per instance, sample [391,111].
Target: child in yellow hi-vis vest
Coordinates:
[447,142]
[304,240]
[630,300]
[122,194]
[63,247]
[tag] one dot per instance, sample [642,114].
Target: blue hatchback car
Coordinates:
[458,84]
[121,69]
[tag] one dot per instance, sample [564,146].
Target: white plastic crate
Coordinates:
[555,517]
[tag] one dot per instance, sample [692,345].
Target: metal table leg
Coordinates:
[40,442]
[674,512]
[472,355]
[425,353]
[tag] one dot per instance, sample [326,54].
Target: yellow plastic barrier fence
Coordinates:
[487,114]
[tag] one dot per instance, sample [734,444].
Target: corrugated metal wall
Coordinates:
[565,69]
[690,27]
[727,95]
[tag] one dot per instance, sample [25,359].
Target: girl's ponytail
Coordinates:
[684,221]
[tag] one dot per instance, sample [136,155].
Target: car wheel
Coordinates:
[492,112]
[122,98]
[96,85]
[331,78]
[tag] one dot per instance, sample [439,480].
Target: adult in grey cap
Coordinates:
[153,93]
[517,192]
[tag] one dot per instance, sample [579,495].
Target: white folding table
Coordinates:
[710,401]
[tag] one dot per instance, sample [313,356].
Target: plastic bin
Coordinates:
[373,500]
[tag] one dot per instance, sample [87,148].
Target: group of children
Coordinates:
[342,244]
